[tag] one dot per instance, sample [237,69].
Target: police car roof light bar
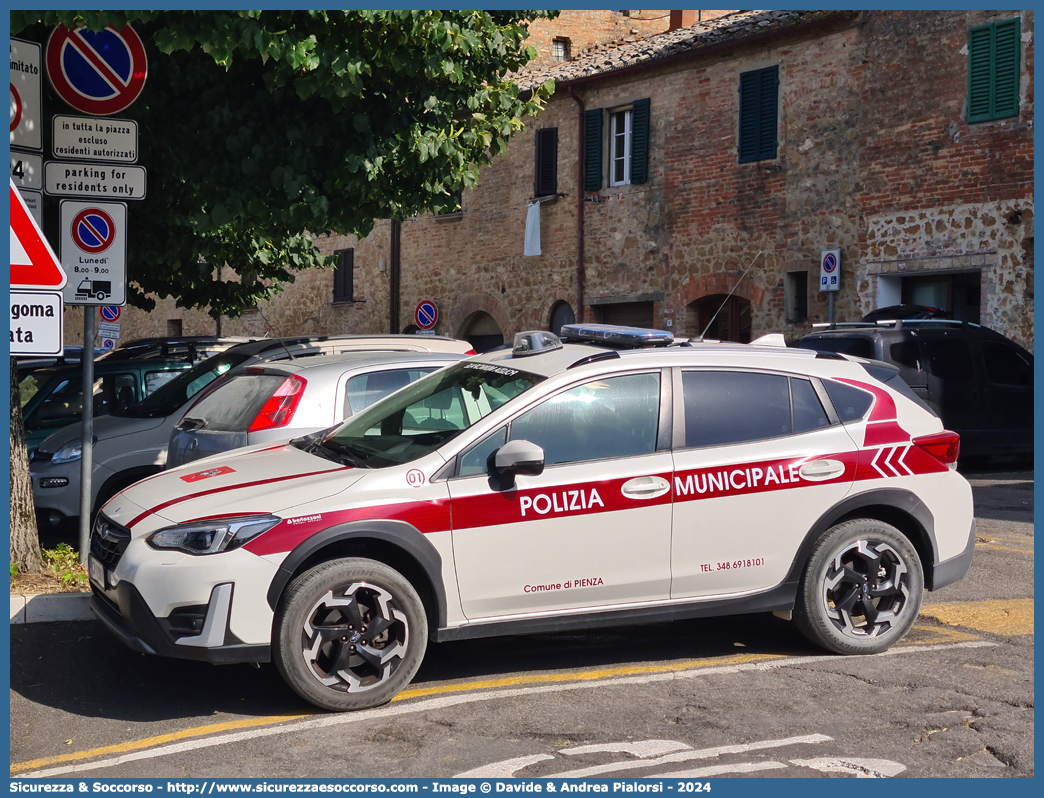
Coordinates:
[617,335]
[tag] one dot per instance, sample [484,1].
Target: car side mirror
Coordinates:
[517,457]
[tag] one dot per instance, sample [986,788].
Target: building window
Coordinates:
[993,71]
[759,112]
[620,148]
[344,276]
[560,49]
[795,290]
[545,180]
[628,145]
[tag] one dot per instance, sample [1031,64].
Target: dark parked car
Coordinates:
[893,312]
[979,382]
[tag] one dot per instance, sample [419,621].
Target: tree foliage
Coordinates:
[260,128]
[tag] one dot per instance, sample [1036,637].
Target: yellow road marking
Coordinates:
[134,745]
[941,636]
[1014,617]
[605,673]
[549,678]
[1003,548]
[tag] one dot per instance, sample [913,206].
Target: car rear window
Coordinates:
[850,403]
[233,405]
[854,345]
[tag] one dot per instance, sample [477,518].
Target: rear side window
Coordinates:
[949,359]
[733,406]
[155,380]
[850,403]
[363,390]
[856,345]
[233,405]
[808,410]
[906,353]
[1005,365]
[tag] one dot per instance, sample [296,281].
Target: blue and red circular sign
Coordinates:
[830,263]
[16,108]
[108,344]
[427,314]
[97,73]
[110,312]
[93,230]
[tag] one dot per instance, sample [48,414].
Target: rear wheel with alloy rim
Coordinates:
[861,589]
[350,634]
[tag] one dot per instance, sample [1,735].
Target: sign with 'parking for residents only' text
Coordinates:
[97,180]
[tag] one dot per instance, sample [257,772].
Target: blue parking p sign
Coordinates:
[830,270]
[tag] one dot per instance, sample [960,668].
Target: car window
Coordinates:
[473,461]
[426,414]
[724,407]
[614,417]
[1005,365]
[856,345]
[850,403]
[157,379]
[363,390]
[233,405]
[64,404]
[906,353]
[949,359]
[808,410]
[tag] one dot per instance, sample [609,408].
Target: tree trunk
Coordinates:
[25,539]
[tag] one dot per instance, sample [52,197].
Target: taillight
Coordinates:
[281,405]
[471,352]
[944,446]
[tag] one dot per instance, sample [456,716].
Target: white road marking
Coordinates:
[643,749]
[443,702]
[862,768]
[688,756]
[721,770]
[505,769]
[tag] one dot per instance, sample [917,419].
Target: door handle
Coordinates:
[821,470]
[645,487]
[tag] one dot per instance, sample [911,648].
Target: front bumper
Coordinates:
[127,616]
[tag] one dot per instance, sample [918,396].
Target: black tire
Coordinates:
[321,642]
[861,589]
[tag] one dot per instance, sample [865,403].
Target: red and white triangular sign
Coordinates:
[33,262]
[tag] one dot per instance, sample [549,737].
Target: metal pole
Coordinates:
[830,307]
[87,432]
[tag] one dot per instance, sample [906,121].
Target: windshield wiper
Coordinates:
[342,452]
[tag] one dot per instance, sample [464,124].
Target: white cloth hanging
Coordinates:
[533,229]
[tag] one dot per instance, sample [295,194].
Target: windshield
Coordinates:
[427,414]
[174,394]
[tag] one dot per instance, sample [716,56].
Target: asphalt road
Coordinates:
[697,699]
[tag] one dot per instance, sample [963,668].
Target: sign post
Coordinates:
[830,277]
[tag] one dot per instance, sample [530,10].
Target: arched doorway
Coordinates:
[732,322]
[481,331]
[561,313]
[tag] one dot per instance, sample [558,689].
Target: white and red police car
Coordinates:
[551,487]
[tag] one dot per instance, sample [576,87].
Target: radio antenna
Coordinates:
[740,280]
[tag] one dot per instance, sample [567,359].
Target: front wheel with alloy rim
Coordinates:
[861,589]
[349,634]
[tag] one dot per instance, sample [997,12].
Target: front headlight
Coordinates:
[211,537]
[69,453]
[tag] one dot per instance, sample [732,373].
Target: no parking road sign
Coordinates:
[830,270]
[427,314]
[97,73]
[94,252]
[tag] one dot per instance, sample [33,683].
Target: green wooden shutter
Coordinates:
[1006,41]
[545,182]
[344,276]
[640,141]
[593,150]
[759,114]
[993,71]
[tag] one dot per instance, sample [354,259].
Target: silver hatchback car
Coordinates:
[277,401]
